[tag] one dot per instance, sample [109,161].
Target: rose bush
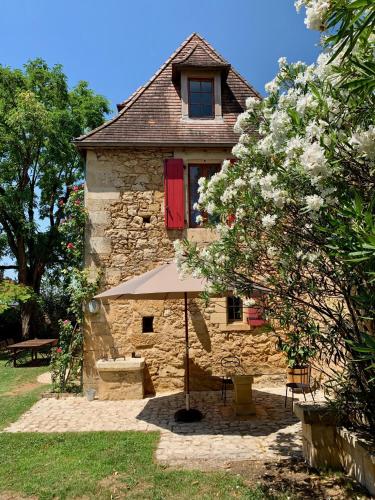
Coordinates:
[66,363]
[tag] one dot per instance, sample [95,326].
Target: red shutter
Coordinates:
[174,194]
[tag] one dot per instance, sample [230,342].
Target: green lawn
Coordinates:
[94,464]
[13,379]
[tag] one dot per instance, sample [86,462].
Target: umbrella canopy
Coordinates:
[161,283]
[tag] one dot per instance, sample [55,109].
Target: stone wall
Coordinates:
[126,237]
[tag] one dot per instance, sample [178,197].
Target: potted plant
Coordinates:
[298,353]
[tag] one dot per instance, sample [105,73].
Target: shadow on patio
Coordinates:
[219,419]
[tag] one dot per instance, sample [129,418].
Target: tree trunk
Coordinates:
[28,319]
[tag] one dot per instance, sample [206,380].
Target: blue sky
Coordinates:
[117,45]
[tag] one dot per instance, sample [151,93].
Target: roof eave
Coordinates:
[118,144]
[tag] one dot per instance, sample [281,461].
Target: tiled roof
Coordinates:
[152,114]
[199,57]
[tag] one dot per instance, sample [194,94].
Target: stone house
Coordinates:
[142,171]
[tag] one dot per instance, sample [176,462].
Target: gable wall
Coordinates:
[122,186]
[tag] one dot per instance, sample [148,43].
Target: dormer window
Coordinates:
[201,98]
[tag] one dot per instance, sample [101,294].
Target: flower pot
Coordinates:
[298,375]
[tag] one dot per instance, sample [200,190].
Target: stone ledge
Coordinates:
[315,413]
[327,446]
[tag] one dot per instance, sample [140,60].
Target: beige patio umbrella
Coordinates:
[164,283]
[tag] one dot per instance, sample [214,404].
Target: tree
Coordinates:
[39,117]
[302,196]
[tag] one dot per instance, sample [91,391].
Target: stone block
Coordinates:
[100,245]
[99,217]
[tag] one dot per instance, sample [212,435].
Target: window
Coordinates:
[234,309]
[201,98]
[147,324]
[195,173]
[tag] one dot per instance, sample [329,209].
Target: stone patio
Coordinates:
[273,433]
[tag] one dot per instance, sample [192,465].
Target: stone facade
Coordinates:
[126,237]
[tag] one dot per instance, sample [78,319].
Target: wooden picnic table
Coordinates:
[34,346]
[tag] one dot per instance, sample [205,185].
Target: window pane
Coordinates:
[206,98]
[206,86]
[234,309]
[195,86]
[196,98]
[195,110]
[207,110]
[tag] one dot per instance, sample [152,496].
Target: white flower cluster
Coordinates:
[239,151]
[241,122]
[316,11]
[314,202]
[364,141]
[268,221]
[314,162]
[252,103]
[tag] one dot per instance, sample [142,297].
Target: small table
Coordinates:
[243,403]
[34,346]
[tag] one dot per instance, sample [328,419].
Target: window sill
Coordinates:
[235,327]
[215,120]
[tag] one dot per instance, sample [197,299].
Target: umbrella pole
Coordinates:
[187,367]
[187,414]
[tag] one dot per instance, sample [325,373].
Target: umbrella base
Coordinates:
[192,415]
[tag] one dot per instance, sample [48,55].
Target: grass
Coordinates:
[11,379]
[103,465]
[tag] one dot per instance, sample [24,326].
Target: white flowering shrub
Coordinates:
[296,210]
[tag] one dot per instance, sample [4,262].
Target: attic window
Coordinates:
[201,98]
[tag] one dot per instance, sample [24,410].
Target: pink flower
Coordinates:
[75,188]
[70,246]
[77,202]
[66,322]
[59,350]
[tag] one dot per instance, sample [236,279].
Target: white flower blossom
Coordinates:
[244,138]
[268,221]
[364,141]
[210,208]
[314,202]
[314,161]
[271,87]
[293,146]
[316,11]
[304,102]
[265,145]
[199,219]
[239,151]
[241,122]
[252,103]
[282,62]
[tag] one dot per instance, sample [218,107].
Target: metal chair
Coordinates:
[300,387]
[230,364]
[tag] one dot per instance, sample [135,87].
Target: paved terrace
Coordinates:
[273,433]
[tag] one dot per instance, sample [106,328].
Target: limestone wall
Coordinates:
[125,237]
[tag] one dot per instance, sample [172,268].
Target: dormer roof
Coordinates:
[151,116]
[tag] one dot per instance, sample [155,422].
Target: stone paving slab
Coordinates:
[273,433]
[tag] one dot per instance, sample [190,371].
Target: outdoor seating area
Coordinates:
[35,346]
[273,432]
